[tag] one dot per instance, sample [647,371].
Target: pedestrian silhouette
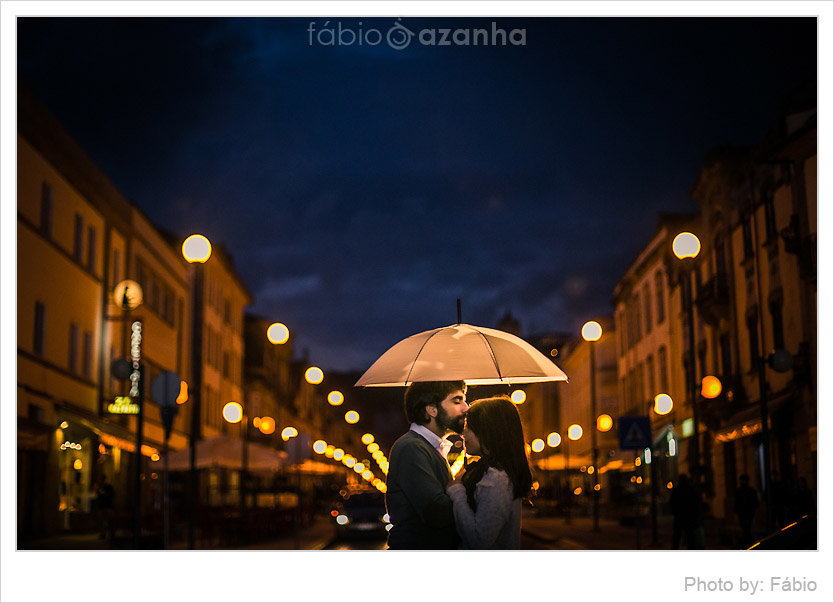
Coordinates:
[104,507]
[745,505]
[684,504]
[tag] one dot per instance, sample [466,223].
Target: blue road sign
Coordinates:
[635,433]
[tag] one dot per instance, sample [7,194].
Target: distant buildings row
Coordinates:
[77,239]
[754,292]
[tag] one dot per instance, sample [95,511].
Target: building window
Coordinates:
[659,297]
[647,304]
[87,358]
[753,337]
[78,241]
[777,325]
[662,370]
[770,218]
[726,356]
[720,258]
[747,233]
[91,249]
[650,376]
[40,327]
[227,311]
[73,348]
[117,265]
[226,365]
[46,209]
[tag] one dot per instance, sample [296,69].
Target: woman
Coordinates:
[487,497]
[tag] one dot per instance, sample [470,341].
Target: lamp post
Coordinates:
[574,433]
[686,247]
[233,413]
[196,250]
[591,332]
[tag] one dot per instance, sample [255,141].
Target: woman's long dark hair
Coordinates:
[497,425]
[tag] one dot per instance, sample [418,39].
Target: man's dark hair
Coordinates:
[427,393]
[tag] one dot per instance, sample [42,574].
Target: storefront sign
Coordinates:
[135,357]
[123,405]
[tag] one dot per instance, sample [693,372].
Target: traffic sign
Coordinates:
[635,432]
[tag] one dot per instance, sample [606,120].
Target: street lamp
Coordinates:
[233,413]
[686,247]
[591,332]
[574,433]
[196,250]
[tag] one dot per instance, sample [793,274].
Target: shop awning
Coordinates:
[227,452]
[748,421]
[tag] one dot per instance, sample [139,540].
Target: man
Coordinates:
[419,508]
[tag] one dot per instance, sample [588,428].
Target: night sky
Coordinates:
[361,190]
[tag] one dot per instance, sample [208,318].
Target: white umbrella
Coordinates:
[476,355]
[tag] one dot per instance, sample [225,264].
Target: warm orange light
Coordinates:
[278,333]
[196,248]
[686,245]
[605,422]
[154,457]
[338,454]
[267,425]
[291,432]
[359,467]
[537,445]
[352,417]
[663,404]
[314,375]
[367,438]
[182,398]
[373,447]
[77,465]
[319,446]
[577,491]
[710,387]
[233,412]
[553,439]
[591,331]
[574,432]
[335,398]
[328,452]
[519,396]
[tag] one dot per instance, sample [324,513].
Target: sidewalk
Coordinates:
[314,537]
[556,533]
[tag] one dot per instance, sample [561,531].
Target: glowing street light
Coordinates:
[605,422]
[335,398]
[663,404]
[367,438]
[591,331]
[233,412]
[574,432]
[314,375]
[710,387]
[686,245]
[196,249]
[554,439]
[278,333]
[537,445]
[352,417]
[519,396]
[290,432]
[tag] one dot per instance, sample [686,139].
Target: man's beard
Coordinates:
[447,423]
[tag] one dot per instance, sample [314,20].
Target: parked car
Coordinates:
[361,513]
[801,535]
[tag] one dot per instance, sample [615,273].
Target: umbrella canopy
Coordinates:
[224,451]
[476,355]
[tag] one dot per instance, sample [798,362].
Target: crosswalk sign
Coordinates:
[635,433]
